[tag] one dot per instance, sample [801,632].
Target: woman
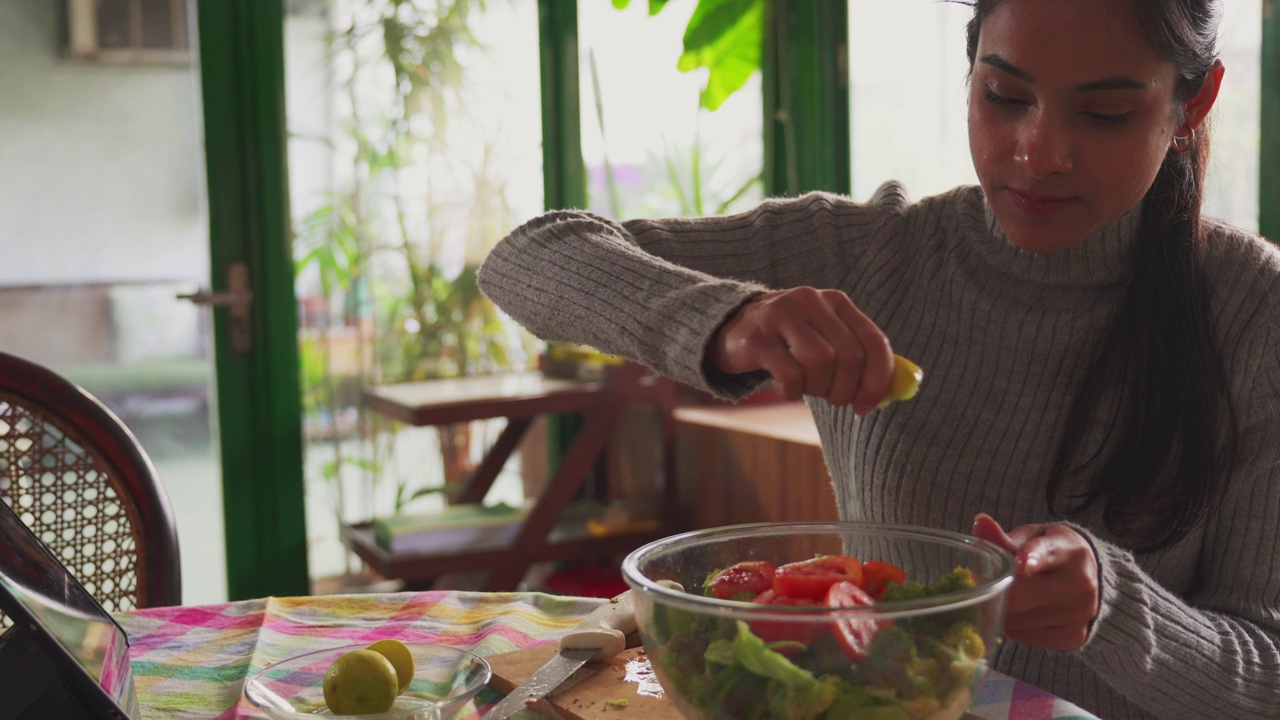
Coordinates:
[1100,365]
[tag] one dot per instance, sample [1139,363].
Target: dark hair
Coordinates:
[1173,440]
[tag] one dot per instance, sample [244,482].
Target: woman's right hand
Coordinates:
[812,342]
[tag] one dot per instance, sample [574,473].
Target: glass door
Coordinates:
[145,160]
[414,146]
[103,223]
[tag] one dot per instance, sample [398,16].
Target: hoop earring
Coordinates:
[1182,142]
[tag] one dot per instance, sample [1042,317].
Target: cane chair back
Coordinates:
[78,477]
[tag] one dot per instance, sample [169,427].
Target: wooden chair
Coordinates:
[78,477]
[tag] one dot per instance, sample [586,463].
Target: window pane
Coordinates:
[415,146]
[103,223]
[1231,191]
[910,124]
[908,93]
[649,149]
[115,21]
[158,24]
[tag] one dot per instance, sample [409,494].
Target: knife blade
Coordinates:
[601,635]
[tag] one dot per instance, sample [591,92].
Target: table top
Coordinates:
[191,663]
[435,402]
[787,421]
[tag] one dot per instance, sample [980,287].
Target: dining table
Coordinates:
[192,662]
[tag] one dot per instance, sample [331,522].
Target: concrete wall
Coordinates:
[101,166]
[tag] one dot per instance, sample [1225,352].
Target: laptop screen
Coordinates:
[42,586]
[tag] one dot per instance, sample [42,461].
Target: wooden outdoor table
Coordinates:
[520,399]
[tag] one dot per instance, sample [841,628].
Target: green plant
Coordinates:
[724,36]
[392,256]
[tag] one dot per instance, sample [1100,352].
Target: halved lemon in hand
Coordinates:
[401,658]
[905,383]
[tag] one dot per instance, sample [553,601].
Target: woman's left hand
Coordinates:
[1054,596]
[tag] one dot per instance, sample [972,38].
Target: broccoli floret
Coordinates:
[802,701]
[966,640]
[888,657]
[893,592]
[959,579]
[968,651]
[894,667]
[956,655]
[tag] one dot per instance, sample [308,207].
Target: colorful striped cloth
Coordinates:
[191,663]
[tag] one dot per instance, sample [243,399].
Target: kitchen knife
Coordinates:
[601,635]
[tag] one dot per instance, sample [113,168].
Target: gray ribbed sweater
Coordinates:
[1189,632]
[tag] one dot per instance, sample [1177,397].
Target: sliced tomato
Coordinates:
[876,574]
[737,582]
[853,634]
[778,631]
[811,579]
[771,597]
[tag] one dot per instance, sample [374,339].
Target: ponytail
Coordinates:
[1175,438]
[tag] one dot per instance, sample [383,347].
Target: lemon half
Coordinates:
[360,681]
[401,658]
[905,383]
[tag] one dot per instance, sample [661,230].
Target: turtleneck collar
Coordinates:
[1100,261]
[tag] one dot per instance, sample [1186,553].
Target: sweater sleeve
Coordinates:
[1214,651]
[655,291]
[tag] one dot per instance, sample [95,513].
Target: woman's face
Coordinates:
[1070,115]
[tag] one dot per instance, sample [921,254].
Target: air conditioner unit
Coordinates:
[128,31]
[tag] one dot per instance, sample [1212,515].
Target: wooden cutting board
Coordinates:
[587,695]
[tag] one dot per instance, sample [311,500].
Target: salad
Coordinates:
[847,668]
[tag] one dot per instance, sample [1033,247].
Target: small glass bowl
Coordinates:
[446,678]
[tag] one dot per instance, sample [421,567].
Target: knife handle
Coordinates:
[607,626]
[604,628]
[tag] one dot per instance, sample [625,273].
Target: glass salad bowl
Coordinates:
[804,621]
[445,678]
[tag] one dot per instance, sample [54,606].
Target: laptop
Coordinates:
[63,657]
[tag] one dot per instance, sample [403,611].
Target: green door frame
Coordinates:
[242,77]
[1269,148]
[805,81]
[564,172]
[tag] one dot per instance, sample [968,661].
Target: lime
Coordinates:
[360,681]
[401,659]
[905,383]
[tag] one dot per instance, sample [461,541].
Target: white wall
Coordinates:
[101,166]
